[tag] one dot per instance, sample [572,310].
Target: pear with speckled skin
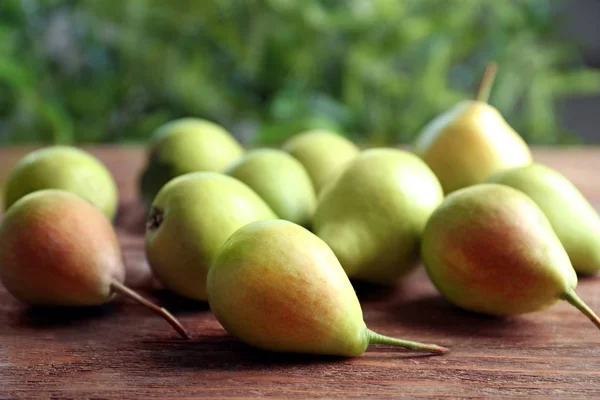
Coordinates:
[276,286]
[56,249]
[472,140]
[280,180]
[65,168]
[324,154]
[490,249]
[373,215]
[573,218]
[182,146]
[191,217]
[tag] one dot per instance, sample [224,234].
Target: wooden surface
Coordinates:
[122,351]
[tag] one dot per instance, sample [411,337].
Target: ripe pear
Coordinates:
[324,154]
[469,142]
[191,217]
[574,220]
[66,168]
[276,286]
[56,249]
[373,215]
[490,249]
[186,145]
[280,180]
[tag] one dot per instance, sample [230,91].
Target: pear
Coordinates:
[490,249]
[276,286]
[186,145]
[324,154]
[574,220]
[56,249]
[469,142]
[280,180]
[191,217]
[373,215]
[66,168]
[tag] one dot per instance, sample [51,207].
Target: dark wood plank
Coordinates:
[122,351]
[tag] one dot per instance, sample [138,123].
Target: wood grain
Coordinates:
[122,351]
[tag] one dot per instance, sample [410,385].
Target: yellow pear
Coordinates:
[471,141]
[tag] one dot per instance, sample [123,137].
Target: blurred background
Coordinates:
[108,71]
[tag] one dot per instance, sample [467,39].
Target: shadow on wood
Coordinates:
[63,317]
[223,352]
[435,313]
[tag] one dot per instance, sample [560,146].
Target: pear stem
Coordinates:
[376,338]
[485,86]
[576,301]
[120,288]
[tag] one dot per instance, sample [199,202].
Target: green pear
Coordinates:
[182,146]
[574,220]
[324,154]
[472,140]
[56,249]
[191,217]
[276,286]
[66,168]
[280,180]
[373,215]
[490,249]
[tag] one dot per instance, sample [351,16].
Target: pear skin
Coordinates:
[574,220]
[490,249]
[186,145]
[191,217]
[56,249]
[373,215]
[466,144]
[324,154]
[280,180]
[66,168]
[278,287]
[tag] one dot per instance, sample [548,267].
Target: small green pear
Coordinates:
[469,142]
[66,168]
[56,249]
[373,215]
[276,286]
[490,249]
[280,180]
[186,145]
[191,217]
[324,154]
[572,217]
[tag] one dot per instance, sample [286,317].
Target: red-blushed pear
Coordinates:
[65,168]
[572,217]
[469,142]
[276,286]
[490,249]
[324,154]
[56,249]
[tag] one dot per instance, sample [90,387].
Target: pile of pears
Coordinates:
[274,238]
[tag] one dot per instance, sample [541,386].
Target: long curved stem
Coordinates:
[576,301]
[485,86]
[376,338]
[120,288]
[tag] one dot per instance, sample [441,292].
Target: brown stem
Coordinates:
[576,301]
[485,86]
[120,288]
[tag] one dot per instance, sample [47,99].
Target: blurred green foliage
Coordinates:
[377,70]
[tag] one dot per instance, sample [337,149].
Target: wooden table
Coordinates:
[122,351]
